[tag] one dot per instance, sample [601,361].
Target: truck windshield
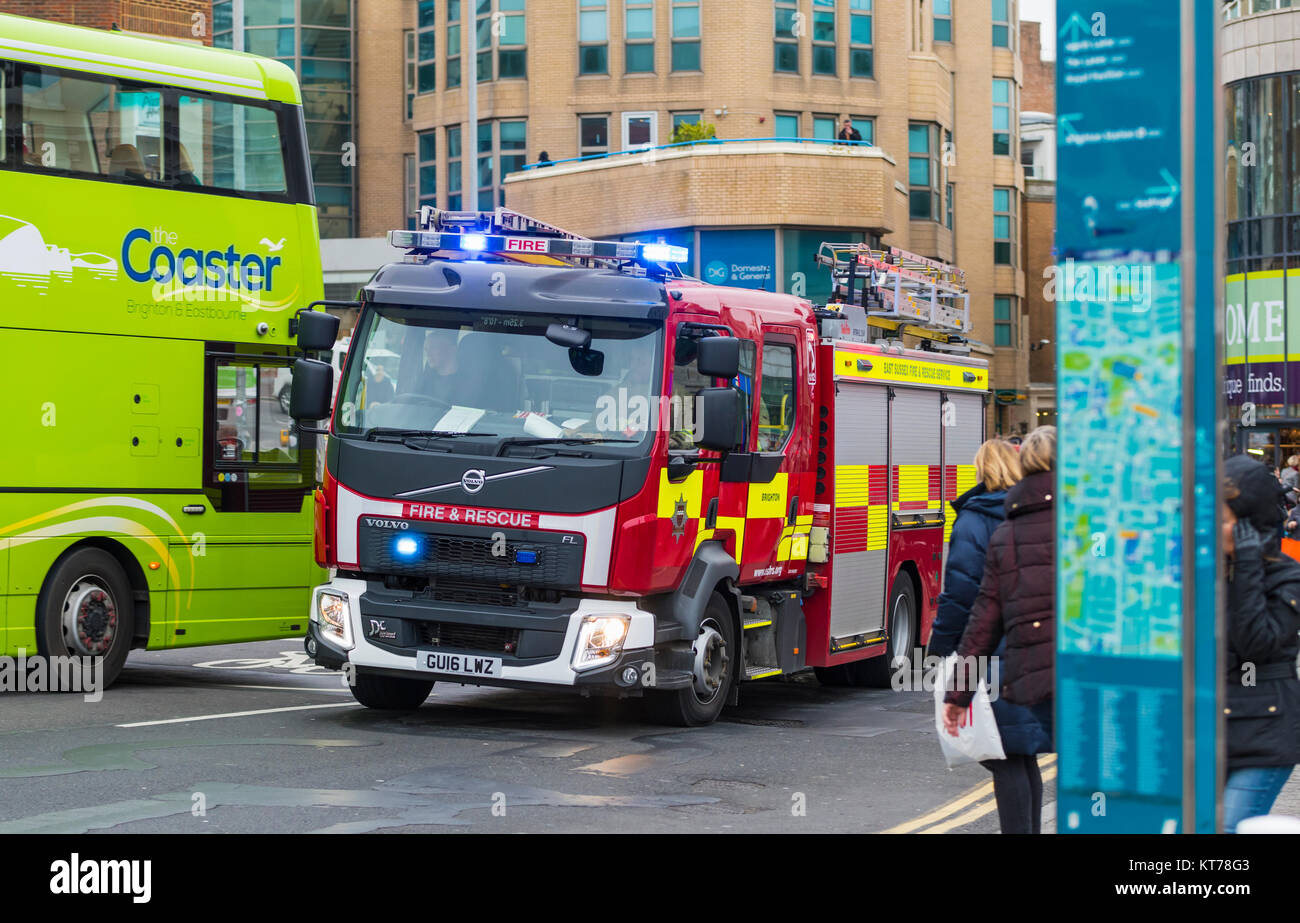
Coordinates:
[456,371]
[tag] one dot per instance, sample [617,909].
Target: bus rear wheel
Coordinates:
[86,609]
[389,693]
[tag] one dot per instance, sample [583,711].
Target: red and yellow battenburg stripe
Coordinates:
[957,479]
[862,504]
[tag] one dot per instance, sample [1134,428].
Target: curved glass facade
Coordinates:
[314,37]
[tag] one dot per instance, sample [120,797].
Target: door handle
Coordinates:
[794,508]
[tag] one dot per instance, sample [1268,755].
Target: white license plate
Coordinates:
[464,664]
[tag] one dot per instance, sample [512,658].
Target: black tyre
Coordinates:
[389,693]
[716,662]
[86,609]
[283,397]
[899,642]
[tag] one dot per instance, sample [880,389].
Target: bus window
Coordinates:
[232,146]
[252,428]
[91,126]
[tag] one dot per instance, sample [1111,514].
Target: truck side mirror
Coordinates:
[718,357]
[313,387]
[317,331]
[717,423]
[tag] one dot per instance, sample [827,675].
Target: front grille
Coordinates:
[473,594]
[469,558]
[469,637]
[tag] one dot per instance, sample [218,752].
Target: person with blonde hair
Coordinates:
[1017,783]
[1015,610]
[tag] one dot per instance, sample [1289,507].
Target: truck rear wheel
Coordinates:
[389,693]
[86,609]
[878,672]
[715,657]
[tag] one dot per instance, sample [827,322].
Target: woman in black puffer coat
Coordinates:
[1017,783]
[1262,704]
[1017,598]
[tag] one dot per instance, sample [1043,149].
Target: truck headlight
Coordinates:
[600,640]
[332,614]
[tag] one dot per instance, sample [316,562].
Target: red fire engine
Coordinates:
[588,470]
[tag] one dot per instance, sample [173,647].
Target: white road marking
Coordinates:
[238,714]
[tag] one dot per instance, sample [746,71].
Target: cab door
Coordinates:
[778,514]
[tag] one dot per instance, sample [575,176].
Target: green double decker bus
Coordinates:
[157,237]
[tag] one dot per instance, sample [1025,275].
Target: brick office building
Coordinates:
[934,88]
[186,20]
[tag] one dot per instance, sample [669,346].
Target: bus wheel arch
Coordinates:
[86,608]
[130,564]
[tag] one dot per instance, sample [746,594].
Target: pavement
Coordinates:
[254,738]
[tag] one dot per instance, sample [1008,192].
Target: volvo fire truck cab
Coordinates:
[590,471]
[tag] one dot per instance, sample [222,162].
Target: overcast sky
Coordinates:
[1043,11]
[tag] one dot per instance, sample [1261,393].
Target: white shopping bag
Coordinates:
[977,733]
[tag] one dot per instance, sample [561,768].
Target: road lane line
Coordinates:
[237,714]
[978,811]
[975,794]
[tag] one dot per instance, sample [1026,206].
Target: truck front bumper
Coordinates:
[346,641]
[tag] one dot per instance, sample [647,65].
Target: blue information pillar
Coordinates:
[1138,410]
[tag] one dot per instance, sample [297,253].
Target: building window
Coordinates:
[785,51]
[412,199]
[593,37]
[425,41]
[947,205]
[1002,23]
[866,126]
[685,118]
[923,170]
[511,38]
[453,43]
[455,179]
[1004,225]
[823,37]
[943,20]
[427,175]
[686,35]
[824,127]
[1001,116]
[593,135]
[483,38]
[1004,323]
[861,58]
[639,29]
[485,174]
[786,125]
[512,151]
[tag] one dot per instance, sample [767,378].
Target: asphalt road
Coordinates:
[253,738]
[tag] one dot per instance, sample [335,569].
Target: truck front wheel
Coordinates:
[389,693]
[714,657]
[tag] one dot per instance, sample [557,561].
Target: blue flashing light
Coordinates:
[525,557]
[473,241]
[665,253]
[406,546]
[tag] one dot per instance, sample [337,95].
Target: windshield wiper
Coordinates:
[391,434]
[561,440]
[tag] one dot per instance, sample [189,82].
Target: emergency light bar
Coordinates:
[529,244]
